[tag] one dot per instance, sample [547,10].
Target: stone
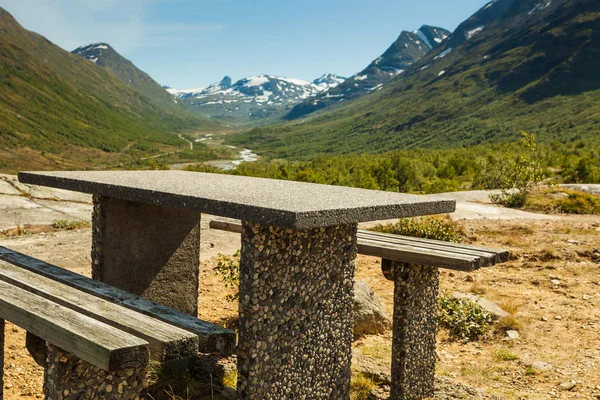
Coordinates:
[286,204]
[370,315]
[487,305]
[555,282]
[587,297]
[416,290]
[540,366]
[567,385]
[295,312]
[512,335]
[558,318]
[147,250]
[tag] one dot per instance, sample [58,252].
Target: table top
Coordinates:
[286,204]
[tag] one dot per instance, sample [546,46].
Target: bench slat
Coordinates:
[500,256]
[411,255]
[212,338]
[487,258]
[167,342]
[93,341]
[461,257]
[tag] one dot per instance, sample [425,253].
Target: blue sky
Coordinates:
[192,43]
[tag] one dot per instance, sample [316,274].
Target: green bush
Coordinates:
[424,227]
[228,268]
[464,319]
[65,225]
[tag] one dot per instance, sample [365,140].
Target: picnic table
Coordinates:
[299,246]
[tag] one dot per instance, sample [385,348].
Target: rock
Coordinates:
[512,335]
[555,282]
[567,385]
[370,316]
[558,318]
[540,366]
[486,304]
[544,319]
[372,368]
[587,297]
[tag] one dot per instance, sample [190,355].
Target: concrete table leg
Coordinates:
[148,250]
[416,291]
[295,326]
[1,359]
[69,378]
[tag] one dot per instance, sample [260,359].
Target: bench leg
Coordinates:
[1,359]
[416,291]
[148,250]
[68,378]
[295,326]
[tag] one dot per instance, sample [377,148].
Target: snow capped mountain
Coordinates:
[92,51]
[409,48]
[254,97]
[328,81]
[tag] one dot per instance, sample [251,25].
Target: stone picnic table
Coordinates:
[298,254]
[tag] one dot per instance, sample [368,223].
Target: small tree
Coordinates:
[514,175]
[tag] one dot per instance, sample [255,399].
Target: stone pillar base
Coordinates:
[416,291]
[295,326]
[69,378]
[148,250]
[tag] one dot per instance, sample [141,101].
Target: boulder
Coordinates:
[370,316]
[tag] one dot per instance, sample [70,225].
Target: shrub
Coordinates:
[505,355]
[424,227]
[514,175]
[464,319]
[64,225]
[228,268]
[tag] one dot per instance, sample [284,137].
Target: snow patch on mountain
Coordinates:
[474,32]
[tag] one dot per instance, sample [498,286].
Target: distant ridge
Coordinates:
[257,99]
[104,55]
[409,48]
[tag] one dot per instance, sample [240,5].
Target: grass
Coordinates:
[361,386]
[509,323]
[505,355]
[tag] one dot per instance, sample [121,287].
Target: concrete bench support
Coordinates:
[416,290]
[149,250]
[68,377]
[295,326]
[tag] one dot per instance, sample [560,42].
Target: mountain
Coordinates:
[104,55]
[58,110]
[409,48]
[258,99]
[514,65]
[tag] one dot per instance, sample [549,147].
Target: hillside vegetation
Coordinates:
[58,110]
[527,69]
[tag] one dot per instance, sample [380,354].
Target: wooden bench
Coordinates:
[89,324]
[413,264]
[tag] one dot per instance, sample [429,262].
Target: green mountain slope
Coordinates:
[515,65]
[60,110]
[104,55]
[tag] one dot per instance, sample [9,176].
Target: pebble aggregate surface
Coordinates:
[296,299]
